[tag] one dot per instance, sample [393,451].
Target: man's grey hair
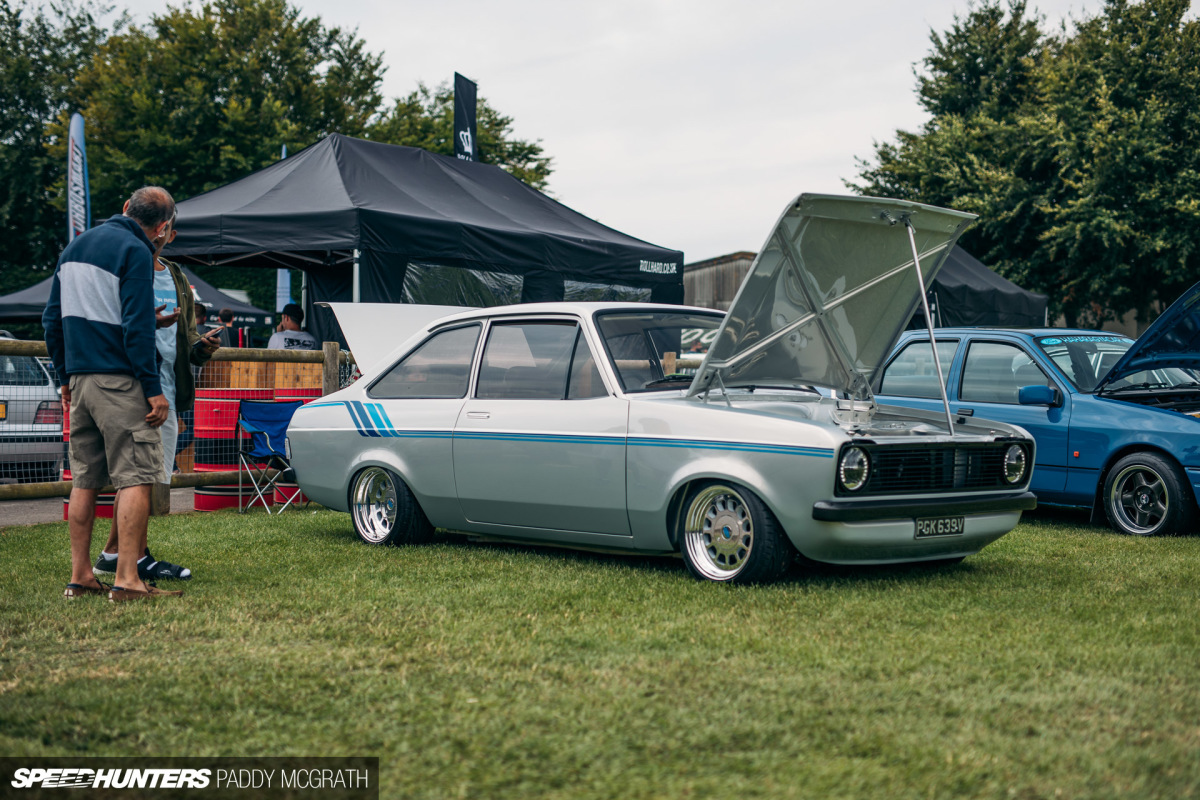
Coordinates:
[151,206]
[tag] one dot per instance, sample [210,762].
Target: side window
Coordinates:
[913,373]
[439,368]
[994,372]
[585,377]
[526,360]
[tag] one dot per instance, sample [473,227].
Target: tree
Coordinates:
[1079,152]
[40,53]
[202,97]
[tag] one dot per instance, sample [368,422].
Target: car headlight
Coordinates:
[287,447]
[854,469]
[1014,463]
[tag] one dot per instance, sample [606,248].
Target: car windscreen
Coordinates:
[656,350]
[1086,359]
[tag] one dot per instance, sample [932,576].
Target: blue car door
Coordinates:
[992,373]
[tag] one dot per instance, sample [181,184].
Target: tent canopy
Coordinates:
[967,293]
[28,304]
[400,205]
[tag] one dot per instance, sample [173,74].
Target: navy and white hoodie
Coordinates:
[100,316]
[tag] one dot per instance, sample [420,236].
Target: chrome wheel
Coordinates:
[373,505]
[718,533]
[1138,500]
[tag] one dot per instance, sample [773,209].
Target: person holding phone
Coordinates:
[179,346]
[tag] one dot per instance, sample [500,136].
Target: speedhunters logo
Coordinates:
[347,778]
[67,778]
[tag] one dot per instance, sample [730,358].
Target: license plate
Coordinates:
[940,526]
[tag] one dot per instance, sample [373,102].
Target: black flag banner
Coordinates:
[464,118]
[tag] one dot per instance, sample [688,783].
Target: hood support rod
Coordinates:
[937,362]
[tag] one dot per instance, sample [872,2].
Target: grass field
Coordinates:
[1063,661]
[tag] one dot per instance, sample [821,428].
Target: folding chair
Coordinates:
[267,423]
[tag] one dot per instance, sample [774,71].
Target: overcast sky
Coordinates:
[687,124]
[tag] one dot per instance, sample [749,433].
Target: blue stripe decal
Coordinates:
[320,405]
[360,422]
[383,429]
[387,420]
[747,447]
[366,419]
[382,426]
[547,438]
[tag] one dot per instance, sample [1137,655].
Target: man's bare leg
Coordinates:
[110,547]
[133,518]
[80,517]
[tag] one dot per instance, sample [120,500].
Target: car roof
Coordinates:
[1029,332]
[575,308]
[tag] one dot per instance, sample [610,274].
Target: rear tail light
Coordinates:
[49,413]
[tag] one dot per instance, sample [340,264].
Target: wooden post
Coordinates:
[668,363]
[330,379]
[160,499]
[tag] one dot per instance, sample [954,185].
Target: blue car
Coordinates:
[1115,420]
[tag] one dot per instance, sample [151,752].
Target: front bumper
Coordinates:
[871,510]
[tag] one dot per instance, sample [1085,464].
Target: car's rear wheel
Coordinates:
[384,510]
[1145,494]
[729,535]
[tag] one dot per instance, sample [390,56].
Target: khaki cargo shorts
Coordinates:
[110,440]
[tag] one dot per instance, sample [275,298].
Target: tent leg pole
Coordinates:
[304,290]
[357,292]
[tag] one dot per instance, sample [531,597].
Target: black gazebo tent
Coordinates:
[28,304]
[966,292]
[384,223]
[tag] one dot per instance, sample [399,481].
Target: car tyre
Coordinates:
[384,510]
[1146,494]
[728,535]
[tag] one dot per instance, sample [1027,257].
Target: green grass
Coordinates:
[1060,662]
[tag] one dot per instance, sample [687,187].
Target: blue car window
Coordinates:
[913,373]
[439,368]
[527,360]
[995,372]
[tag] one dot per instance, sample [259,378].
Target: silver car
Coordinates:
[31,420]
[667,429]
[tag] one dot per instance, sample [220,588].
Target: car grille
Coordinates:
[918,470]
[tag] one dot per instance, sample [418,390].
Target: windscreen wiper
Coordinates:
[1144,387]
[668,380]
[794,388]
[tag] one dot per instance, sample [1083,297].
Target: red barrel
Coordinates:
[216,445]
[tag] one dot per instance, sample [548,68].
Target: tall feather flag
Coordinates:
[465,146]
[79,198]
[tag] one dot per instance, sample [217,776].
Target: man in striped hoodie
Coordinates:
[100,332]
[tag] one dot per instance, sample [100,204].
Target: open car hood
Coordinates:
[829,294]
[1172,341]
[374,330]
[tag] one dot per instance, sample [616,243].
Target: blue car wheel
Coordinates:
[1145,494]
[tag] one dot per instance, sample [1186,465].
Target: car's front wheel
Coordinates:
[1146,494]
[384,510]
[728,534]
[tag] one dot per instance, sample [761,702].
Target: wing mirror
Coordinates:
[1039,396]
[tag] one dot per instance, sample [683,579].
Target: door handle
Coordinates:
[478,415]
[966,412]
